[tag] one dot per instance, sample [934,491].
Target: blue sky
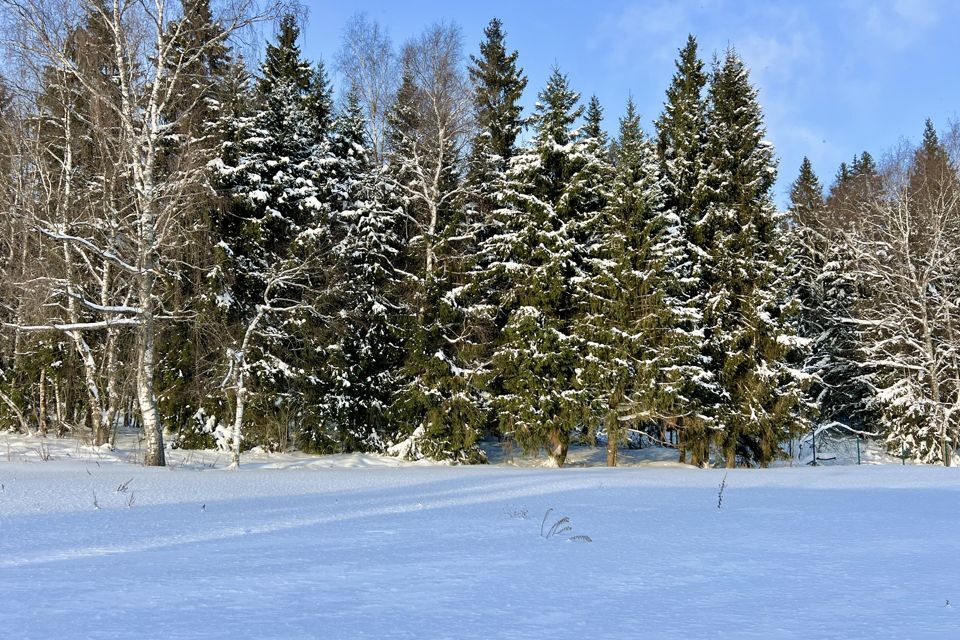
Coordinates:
[835,77]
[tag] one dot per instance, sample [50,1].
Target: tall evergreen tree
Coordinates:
[808,245]
[274,166]
[681,149]
[552,188]
[681,134]
[637,351]
[749,334]
[806,197]
[358,375]
[593,122]
[203,86]
[200,83]
[283,62]
[824,285]
[498,84]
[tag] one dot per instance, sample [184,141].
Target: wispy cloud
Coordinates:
[651,29]
[900,23]
[825,69]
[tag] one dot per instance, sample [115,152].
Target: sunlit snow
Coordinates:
[295,546]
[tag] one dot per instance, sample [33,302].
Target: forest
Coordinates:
[210,246]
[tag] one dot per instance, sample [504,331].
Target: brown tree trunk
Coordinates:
[558,449]
[700,449]
[613,438]
[731,457]
[60,406]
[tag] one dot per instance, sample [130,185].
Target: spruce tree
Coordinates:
[498,84]
[200,84]
[593,122]
[824,285]
[273,166]
[358,375]
[637,351]
[808,244]
[203,87]
[681,150]
[829,291]
[597,241]
[749,332]
[681,134]
[806,197]
[283,62]
[536,255]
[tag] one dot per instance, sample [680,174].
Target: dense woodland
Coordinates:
[226,254]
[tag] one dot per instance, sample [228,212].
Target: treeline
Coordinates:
[232,258]
[877,270]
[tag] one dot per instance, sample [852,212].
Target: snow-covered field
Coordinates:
[365,547]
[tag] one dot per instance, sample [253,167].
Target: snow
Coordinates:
[296,546]
[224,300]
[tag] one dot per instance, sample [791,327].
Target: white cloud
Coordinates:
[900,23]
[778,59]
[656,29]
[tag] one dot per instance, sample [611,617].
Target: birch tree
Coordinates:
[429,130]
[368,63]
[140,39]
[908,249]
[283,296]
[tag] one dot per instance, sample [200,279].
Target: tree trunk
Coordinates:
[146,395]
[93,392]
[241,380]
[693,445]
[66,397]
[934,381]
[42,404]
[728,443]
[699,449]
[24,426]
[558,448]
[61,406]
[237,435]
[731,455]
[681,446]
[112,386]
[613,438]
[112,389]
[84,351]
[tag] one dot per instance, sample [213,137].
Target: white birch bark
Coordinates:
[141,36]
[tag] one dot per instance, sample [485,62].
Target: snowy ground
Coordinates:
[364,547]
